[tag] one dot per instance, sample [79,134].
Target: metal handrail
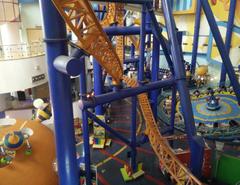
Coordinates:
[21,51]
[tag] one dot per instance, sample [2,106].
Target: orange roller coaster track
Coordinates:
[81,19]
[79,16]
[115,14]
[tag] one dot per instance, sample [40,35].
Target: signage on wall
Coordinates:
[38,78]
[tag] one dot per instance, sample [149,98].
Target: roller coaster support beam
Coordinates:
[124,93]
[82,79]
[76,53]
[132,56]
[196,37]
[157,31]
[87,158]
[180,38]
[133,133]
[148,26]
[60,85]
[108,128]
[142,44]
[68,65]
[129,30]
[221,47]
[230,26]
[196,144]
[132,51]
[173,108]
[131,60]
[155,68]
[98,84]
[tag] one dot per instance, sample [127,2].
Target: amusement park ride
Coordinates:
[94,39]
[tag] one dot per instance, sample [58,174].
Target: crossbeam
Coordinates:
[80,17]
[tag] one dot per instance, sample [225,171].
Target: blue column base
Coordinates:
[197,146]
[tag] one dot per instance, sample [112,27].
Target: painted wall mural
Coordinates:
[221,11]
[185,22]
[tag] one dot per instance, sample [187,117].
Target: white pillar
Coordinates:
[10,36]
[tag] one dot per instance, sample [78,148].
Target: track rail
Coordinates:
[120,39]
[179,173]
[109,17]
[115,14]
[80,17]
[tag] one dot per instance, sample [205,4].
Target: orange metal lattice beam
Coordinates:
[80,17]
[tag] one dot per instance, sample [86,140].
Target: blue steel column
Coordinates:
[133,55]
[87,161]
[86,147]
[148,26]
[142,45]
[221,47]
[157,31]
[132,51]
[196,143]
[60,88]
[149,40]
[173,108]
[196,37]
[228,41]
[82,78]
[97,72]
[180,38]
[133,133]
[155,69]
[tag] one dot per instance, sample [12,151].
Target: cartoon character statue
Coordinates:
[43,110]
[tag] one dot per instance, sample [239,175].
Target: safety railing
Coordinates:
[20,51]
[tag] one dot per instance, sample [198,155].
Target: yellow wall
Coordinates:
[185,22]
